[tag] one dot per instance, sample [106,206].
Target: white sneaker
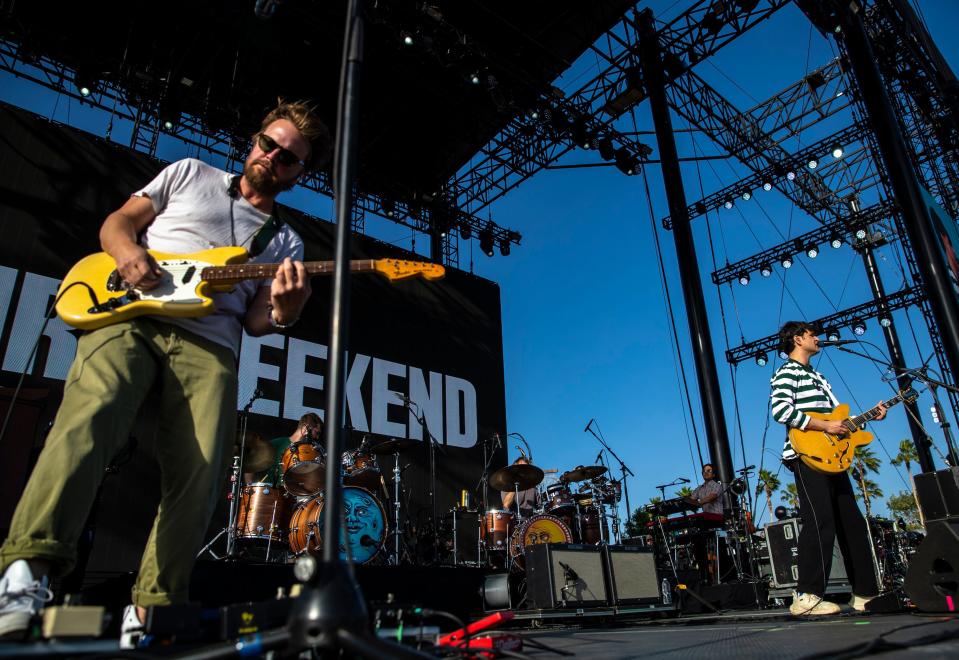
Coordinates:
[858,603]
[811,605]
[20,598]
[131,628]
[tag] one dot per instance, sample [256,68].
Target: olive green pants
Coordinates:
[191,382]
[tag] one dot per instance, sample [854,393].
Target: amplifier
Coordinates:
[463,544]
[938,493]
[782,544]
[633,579]
[560,575]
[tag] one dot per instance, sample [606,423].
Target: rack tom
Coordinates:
[304,470]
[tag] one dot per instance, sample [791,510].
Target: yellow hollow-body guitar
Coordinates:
[94,295]
[834,454]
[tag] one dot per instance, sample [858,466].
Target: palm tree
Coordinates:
[867,459]
[868,490]
[907,455]
[685,491]
[769,484]
[790,496]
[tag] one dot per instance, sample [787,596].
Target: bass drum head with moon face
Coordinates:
[363,516]
[543,528]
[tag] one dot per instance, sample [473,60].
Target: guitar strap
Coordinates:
[264,234]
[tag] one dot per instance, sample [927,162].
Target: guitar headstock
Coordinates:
[399,269]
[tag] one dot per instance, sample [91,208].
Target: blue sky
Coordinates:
[586,332]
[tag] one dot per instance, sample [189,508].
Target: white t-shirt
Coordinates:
[194,208]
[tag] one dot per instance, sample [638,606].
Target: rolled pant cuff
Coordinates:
[149,598]
[61,556]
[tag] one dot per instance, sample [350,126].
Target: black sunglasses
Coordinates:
[285,156]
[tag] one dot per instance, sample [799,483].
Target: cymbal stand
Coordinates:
[418,415]
[519,516]
[622,466]
[397,490]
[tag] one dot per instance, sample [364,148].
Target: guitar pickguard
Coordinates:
[178,286]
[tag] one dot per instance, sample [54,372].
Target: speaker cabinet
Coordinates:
[633,579]
[932,581]
[561,575]
[463,544]
[782,543]
[938,493]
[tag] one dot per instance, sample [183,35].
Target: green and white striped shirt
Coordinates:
[797,389]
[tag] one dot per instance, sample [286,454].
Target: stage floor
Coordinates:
[768,634]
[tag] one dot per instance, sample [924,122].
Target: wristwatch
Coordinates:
[275,324]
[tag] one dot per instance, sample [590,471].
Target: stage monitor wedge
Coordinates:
[932,581]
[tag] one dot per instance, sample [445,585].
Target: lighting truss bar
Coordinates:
[110,97]
[819,236]
[899,300]
[774,173]
[526,146]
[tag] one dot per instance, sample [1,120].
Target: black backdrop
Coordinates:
[440,343]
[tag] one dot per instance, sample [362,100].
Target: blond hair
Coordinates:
[304,117]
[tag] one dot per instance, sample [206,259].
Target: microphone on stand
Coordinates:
[682,480]
[599,456]
[588,425]
[837,342]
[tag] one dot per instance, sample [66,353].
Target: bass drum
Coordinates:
[363,516]
[543,528]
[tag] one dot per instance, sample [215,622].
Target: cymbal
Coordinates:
[259,454]
[582,473]
[516,476]
[394,445]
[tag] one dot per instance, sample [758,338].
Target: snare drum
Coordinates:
[304,470]
[497,527]
[264,513]
[363,515]
[543,528]
[360,469]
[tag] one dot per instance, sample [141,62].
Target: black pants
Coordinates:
[829,512]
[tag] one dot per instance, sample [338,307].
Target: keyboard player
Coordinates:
[708,496]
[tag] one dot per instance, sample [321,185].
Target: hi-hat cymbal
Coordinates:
[582,473]
[259,454]
[516,476]
[394,445]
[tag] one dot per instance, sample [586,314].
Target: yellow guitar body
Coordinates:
[824,452]
[182,292]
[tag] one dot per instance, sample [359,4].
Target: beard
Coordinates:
[264,179]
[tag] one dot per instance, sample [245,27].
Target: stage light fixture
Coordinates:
[475,78]
[729,203]
[389,208]
[700,208]
[859,328]
[605,147]
[747,195]
[626,162]
[836,241]
[813,163]
[534,114]
[832,334]
[407,38]
[787,262]
[885,321]
[85,79]
[744,278]
[85,91]
[861,234]
[504,246]
[766,270]
[790,175]
[783,356]
[767,185]
[761,359]
[812,251]
[837,151]
[486,241]
[465,230]
[781,512]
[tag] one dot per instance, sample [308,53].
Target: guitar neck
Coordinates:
[856,422]
[248,271]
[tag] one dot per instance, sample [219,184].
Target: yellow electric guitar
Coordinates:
[94,294]
[833,454]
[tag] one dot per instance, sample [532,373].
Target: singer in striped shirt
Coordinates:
[827,506]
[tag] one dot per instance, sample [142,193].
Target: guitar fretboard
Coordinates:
[854,423]
[237,272]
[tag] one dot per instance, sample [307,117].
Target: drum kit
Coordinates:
[282,519]
[565,515]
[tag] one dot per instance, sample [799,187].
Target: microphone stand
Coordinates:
[622,467]
[417,414]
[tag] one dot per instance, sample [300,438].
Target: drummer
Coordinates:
[529,500]
[308,428]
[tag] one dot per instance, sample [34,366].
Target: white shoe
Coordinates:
[811,605]
[858,603]
[131,628]
[21,597]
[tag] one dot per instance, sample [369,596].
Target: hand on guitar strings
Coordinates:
[289,291]
[138,268]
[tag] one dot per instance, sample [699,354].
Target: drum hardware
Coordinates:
[623,469]
[395,446]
